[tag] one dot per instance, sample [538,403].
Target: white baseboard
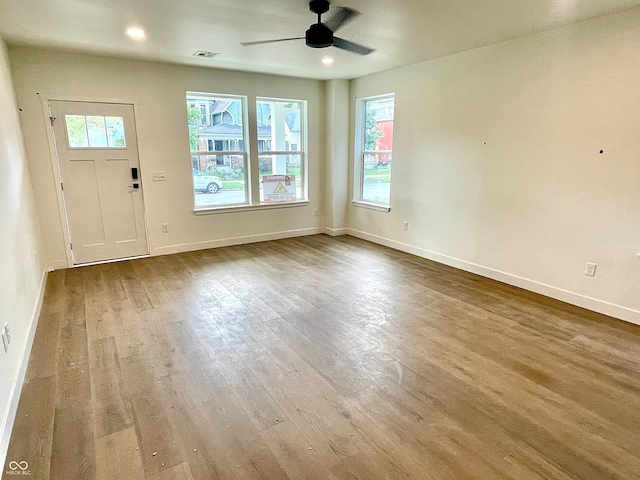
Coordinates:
[16,388]
[57,265]
[593,304]
[335,232]
[227,242]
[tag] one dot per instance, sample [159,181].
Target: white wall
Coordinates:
[158,92]
[530,206]
[538,200]
[21,257]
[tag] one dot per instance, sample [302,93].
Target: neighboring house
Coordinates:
[220,129]
[292,130]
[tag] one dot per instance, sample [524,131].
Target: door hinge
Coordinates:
[61,186]
[70,246]
[52,119]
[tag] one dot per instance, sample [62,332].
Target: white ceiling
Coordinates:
[402,31]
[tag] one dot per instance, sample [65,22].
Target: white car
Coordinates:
[206,183]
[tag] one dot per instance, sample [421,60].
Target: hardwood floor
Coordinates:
[319,357]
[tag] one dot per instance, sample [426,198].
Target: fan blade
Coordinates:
[247,44]
[342,16]
[352,47]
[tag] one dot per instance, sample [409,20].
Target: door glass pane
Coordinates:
[115,131]
[76,131]
[96,131]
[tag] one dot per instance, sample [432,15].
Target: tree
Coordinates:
[194,117]
[77,131]
[372,132]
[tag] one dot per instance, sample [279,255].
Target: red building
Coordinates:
[385,142]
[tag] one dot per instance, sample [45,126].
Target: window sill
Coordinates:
[371,206]
[245,208]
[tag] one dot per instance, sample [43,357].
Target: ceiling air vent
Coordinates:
[205,54]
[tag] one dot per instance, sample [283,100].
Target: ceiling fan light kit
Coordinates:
[321,35]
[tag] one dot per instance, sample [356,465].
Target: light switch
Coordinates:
[158,176]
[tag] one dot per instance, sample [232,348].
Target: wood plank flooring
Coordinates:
[321,358]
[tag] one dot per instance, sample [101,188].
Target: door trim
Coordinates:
[55,165]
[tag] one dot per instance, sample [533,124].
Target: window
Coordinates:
[218,157]
[220,163]
[281,161]
[92,131]
[376,144]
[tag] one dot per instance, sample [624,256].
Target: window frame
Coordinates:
[301,149]
[244,153]
[360,153]
[247,147]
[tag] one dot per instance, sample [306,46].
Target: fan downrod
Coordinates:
[318,35]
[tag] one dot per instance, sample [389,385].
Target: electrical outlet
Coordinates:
[405,226]
[590,270]
[315,212]
[158,176]
[165,228]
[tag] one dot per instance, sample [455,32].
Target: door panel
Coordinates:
[119,178]
[97,148]
[87,214]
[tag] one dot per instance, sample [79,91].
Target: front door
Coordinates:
[100,172]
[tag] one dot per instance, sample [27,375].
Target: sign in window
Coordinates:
[279,188]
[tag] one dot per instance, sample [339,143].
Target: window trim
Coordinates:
[246,208]
[371,206]
[302,149]
[359,154]
[244,101]
[252,155]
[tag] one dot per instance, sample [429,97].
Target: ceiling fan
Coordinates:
[321,35]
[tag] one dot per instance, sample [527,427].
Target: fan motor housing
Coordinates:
[319,36]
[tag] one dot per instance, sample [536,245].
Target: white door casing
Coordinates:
[105,213]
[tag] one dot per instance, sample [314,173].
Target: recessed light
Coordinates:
[135,32]
[327,60]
